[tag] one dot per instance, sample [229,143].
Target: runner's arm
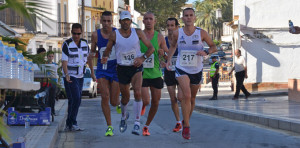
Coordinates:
[173,46]
[205,37]
[148,44]
[111,42]
[92,53]
[163,46]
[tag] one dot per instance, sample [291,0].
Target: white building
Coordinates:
[271,52]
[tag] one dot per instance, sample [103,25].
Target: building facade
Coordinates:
[262,34]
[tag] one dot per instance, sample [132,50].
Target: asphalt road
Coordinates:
[206,131]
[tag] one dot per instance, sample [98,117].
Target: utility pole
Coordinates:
[82,18]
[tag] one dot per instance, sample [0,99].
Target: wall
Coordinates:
[271,51]
[73,11]
[52,28]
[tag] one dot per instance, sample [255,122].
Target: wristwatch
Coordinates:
[145,56]
[206,52]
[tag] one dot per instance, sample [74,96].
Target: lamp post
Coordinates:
[219,17]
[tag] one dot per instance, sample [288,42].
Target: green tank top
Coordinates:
[152,73]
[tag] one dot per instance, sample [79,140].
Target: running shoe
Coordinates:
[186,134]
[77,128]
[123,123]
[177,128]
[143,110]
[118,108]
[136,129]
[146,131]
[109,131]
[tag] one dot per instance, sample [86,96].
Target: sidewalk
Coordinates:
[270,108]
[41,136]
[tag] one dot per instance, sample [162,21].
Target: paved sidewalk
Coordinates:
[41,136]
[272,109]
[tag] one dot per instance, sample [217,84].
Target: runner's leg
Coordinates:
[174,104]
[155,97]
[124,88]
[104,91]
[184,84]
[138,103]
[194,90]
[114,93]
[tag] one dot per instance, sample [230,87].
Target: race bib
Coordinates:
[149,62]
[188,58]
[112,55]
[173,63]
[128,57]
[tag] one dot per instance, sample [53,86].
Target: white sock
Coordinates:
[146,126]
[137,109]
[124,110]
[179,122]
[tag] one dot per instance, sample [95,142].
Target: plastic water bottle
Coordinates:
[20,65]
[104,66]
[291,25]
[27,121]
[14,61]
[7,64]
[30,70]
[2,59]
[25,74]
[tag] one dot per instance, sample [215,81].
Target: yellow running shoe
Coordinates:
[109,131]
[118,108]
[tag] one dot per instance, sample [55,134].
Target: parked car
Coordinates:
[226,46]
[98,83]
[210,58]
[89,86]
[221,54]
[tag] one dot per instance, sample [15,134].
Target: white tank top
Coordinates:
[127,48]
[188,46]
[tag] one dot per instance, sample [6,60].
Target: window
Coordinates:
[58,12]
[65,12]
[40,46]
[50,48]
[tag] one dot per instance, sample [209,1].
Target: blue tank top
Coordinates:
[112,61]
[168,45]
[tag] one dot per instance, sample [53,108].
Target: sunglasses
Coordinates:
[76,33]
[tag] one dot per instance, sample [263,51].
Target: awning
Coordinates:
[227,38]
[5,30]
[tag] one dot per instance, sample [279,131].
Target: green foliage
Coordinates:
[162,9]
[4,131]
[217,43]
[206,13]
[27,7]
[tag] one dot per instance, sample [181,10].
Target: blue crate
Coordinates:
[17,118]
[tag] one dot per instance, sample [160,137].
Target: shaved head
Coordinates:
[149,13]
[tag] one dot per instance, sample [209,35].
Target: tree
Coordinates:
[206,14]
[162,10]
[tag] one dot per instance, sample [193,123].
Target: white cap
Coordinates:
[125,15]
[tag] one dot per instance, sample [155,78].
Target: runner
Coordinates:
[169,76]
[189,63]
[106,74]
[152,75]
[129,68]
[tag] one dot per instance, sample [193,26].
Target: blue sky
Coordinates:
[190,1]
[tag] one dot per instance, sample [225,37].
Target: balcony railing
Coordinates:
[64,29]
[11,18]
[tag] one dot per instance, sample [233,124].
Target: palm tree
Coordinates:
[205,13]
